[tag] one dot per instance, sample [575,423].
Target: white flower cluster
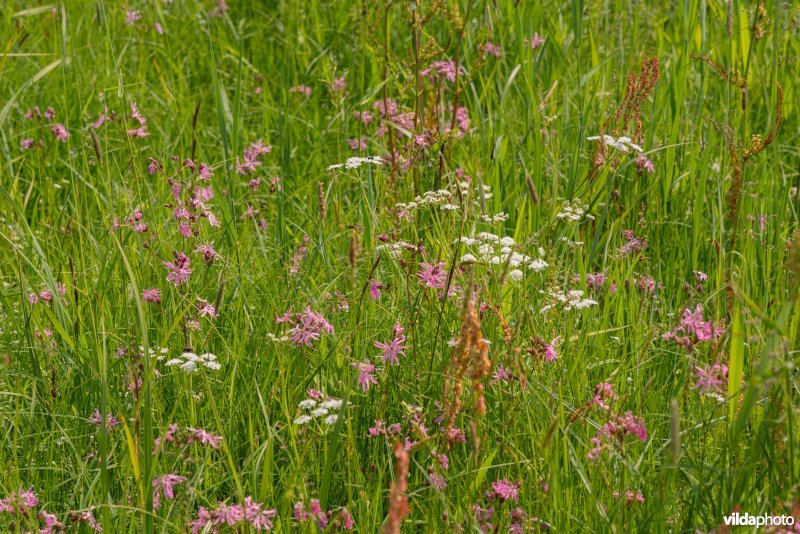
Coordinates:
[158,352]
[574,211]
[314,409]
[189,362]
[356,162]
[395,249]
[623,144]
[571,300]
[445,199]
[496,250]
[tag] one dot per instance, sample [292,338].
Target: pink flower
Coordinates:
[375,289]
[644,165]
[180,269]
[492,49]
[338,84]
[535,42]
[366,376]
[359,145]
[502,374]
[364,116]
[443,69]
[603,393]
[432,275]
[300,89]
[711,378]
[26,144]
[393,348]
[19,502]
[504,490]
[110,421]
[208,252]
[138,132]
[152,295]
[198,434]
[131,16]
[165,485]
[60,132]
[633,245]
[204,173]
[310,325]
[204,309]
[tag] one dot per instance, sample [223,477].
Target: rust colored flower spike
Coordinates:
[398,500]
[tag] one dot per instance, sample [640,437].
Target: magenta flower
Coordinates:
[26,144]
[711,379]
[492,49]
[366,375]
[393,348]
[60,132]
[504,490]
[309,327]
[633,243]
[432,275]
[131,16]
[502,374]
[152,295]
[110,421]
[375,289]
[535,42]
[644,165]
[204,172]
[603,394]
[165,485]
[443,69]
[205,438]
[204,309]
[208,252]
[138,132]
[180,269]
[19,502]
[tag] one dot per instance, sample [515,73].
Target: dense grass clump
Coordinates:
[432,266]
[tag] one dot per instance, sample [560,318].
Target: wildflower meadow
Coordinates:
[399,266]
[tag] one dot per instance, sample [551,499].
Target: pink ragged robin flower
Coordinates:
[711,379]
[309,327]
[535,42]
[60,132]
[208,252]
[393,348]
[366,376]
[179,269]
[504,490]
[205,309]
[432,275]
[375,289]
[204,438]
[165,486]
[152,295]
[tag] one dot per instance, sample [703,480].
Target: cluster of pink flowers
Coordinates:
[381,429]
[633,244]
[492,49]
[631,497]
[644,165]
[300,90]
[111,422]
[444,70]
[432,275]
[177,436]
[134,222]
[250,513]
[136,115]
[308,326]
[315,513]
[615,430]
[603,396]
[59,131]
[19,502]
[693,329]
[504,490]
[45,295]
[711,379]
[251,158]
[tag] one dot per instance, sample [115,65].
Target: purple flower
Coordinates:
[308,328]
[165,485]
